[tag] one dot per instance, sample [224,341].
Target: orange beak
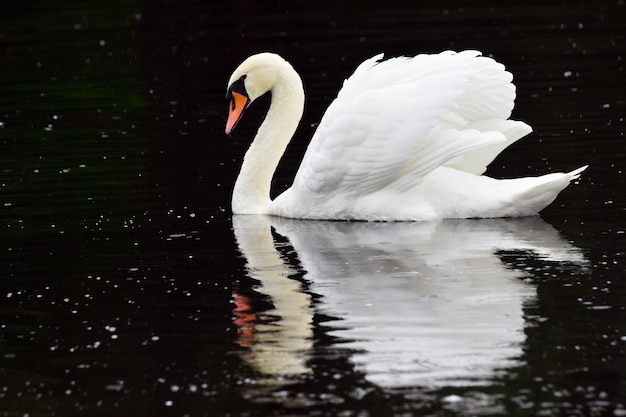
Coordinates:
[238,103]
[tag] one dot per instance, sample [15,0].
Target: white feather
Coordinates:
[405,139]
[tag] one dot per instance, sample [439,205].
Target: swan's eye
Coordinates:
[237,88]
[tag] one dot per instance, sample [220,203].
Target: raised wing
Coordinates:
[394,121]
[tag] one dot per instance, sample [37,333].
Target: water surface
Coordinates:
[128,288]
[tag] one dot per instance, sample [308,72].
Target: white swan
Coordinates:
[405,139]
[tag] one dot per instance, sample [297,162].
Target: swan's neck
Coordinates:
[251,194]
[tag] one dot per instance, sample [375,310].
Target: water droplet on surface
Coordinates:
[453,398]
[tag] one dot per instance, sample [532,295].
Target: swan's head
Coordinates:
[255,76]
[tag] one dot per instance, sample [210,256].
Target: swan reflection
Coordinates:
[426,304]
[279,341]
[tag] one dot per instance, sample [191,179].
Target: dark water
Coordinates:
[127,288]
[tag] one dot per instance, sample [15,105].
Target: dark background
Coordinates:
[115,198]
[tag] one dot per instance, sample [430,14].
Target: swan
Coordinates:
[406,139]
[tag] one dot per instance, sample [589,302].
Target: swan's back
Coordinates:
[398,120]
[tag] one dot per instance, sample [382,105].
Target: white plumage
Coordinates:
[405,139]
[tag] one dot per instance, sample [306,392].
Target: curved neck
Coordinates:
[251,194]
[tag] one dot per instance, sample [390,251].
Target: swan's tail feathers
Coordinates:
[575,174]
[532,200]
